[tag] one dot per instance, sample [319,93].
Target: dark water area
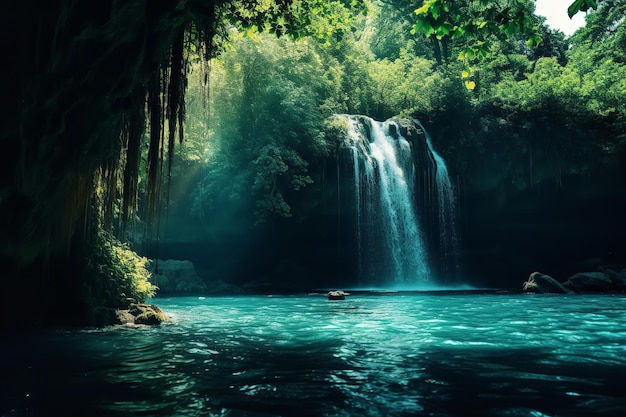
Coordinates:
[394,354]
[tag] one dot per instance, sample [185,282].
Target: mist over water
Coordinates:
[370,355]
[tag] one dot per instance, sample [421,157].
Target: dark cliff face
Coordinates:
[536,193]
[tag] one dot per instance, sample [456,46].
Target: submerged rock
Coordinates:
[337,295]
[539,283]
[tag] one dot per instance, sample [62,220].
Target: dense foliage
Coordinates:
[265,115]
[115,274]
[269,98]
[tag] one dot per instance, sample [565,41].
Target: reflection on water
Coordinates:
[392,355]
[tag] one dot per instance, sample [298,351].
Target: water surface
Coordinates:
[399,354]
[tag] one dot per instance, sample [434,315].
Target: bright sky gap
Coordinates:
[555,12]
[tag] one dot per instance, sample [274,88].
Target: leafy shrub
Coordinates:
[116,275]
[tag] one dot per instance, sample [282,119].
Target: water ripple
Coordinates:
[373,356]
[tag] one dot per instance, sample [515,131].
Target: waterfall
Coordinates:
[391,246]
[448,240]
[389,240]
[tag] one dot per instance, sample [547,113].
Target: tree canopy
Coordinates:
[269,98]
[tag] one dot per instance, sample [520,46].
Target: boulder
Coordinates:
[147,314]
[590,282]
[176,277]
[337,295]
[124,317]
[539,283]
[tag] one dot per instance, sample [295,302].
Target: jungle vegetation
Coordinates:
[246,87]
[270,98]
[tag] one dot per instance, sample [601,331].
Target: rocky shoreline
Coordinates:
[137,314]
[605,281]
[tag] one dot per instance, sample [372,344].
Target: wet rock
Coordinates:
[539,283]
[136,314]
[337,295]
[590,282]
[147,314]
[124,317]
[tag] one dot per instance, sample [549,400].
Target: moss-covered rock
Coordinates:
[147,314]
[136,314]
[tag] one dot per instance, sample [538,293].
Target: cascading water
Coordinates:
[391,246]
[448,241]
[389,240]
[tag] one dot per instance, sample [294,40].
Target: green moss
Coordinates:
[147,314]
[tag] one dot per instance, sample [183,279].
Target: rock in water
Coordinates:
[539,283]
[590,282]
[147,314]
[337,295]
[137,313]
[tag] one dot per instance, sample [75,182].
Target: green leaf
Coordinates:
[417,27]
[427,28]
[533,41]
[458,32]
[423,9]
[576,7]
[435,11]
[442,31]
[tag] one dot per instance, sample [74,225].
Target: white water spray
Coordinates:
[391,246]
[386,212]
